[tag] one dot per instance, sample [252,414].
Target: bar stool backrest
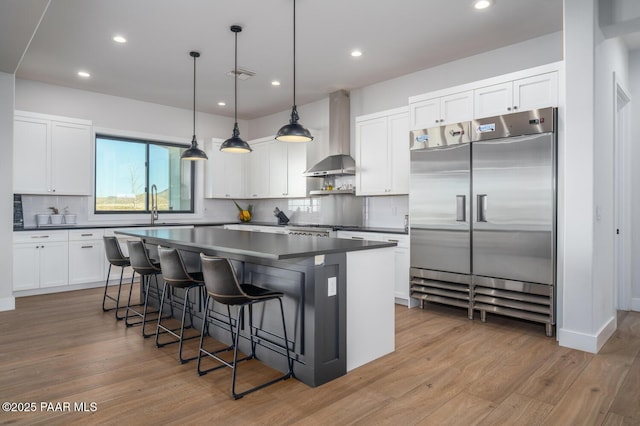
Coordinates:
[221,282]
[173,268]
[113,252]
[140,261]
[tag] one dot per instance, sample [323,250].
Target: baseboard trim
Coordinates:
[587,342]
[635,304]
[7,303]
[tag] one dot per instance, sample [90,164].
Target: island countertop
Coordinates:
[255,244]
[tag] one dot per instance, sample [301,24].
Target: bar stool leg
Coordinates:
[164,290]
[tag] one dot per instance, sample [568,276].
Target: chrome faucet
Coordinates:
[154,203]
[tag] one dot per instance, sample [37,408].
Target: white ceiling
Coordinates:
[397,37]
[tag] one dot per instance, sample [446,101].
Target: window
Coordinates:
[126,169]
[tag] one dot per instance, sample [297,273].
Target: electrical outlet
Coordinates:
[332,286]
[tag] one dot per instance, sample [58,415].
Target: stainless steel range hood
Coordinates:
[339,162]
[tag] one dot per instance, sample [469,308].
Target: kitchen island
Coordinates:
[339,299]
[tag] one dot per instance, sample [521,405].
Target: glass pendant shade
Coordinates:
[194,153]
[294,131]
[235,144]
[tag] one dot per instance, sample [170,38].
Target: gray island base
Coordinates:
[339,299]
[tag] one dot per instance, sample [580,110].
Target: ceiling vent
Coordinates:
[242,74]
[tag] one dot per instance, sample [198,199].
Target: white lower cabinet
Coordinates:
[40,259]
[86,256]
[401,272]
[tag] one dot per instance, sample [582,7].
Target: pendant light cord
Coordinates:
[294,53]
[194,95]
[235,78]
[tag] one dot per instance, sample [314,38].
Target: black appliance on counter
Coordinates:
[18,216]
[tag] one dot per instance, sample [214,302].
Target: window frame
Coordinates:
[147,142]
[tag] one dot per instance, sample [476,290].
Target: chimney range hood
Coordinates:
[339,162]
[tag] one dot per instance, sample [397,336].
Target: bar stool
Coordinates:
[115,258]
[144,266]
[222,286]
[175,275]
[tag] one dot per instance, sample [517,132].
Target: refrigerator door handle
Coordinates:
[461,208]
[481,213]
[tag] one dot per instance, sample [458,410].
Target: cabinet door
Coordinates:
[224,173]
[31,156]
[278,174]
[399,155]
[86,261]
[456,108]
[493,100]
[402,273]
[297,164]
[26,273]
[425,114]
[257,171]
[54,264]
[372,164]
[70,159]
[539,91]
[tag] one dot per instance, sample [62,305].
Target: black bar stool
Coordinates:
[175,275]
[115,258]
[146,267]
[223,287]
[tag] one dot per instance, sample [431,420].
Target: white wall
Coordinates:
[121,113]
[7,85]
[634,87]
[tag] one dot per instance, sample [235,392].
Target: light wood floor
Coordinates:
[445,370]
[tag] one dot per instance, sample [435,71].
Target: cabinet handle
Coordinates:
[357,238]
[87,247]
[86,235]
[39,236]
[393,241]
[515,107]
[508,108]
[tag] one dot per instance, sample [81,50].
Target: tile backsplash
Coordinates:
[385,211]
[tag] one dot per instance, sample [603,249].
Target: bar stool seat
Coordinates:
[146,268]
[176,276]
[115,258]
[223,287]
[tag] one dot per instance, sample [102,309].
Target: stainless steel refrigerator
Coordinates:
[483,215]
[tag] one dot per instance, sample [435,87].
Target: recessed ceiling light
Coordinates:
[84,74]
[482,4]
[221,103]
[356,53]
[119,39]
[275,83]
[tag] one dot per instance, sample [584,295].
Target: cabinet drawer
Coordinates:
[86,234]
[35,236]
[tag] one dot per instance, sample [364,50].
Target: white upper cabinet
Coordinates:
[278,164]
[257,170]
[296,166]
[440,110]
[523,94]
[224,172]
[52,155]
[382,153]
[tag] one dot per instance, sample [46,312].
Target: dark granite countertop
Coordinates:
[255,244]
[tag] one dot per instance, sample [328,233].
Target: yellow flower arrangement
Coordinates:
[245,214]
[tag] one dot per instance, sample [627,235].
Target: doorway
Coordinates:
[622,199]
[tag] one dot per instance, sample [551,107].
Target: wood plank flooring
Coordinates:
[446,370]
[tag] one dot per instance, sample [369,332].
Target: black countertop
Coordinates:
[255,244]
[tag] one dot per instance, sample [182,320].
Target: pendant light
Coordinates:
[194,153]
[234,143]
[294,131]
